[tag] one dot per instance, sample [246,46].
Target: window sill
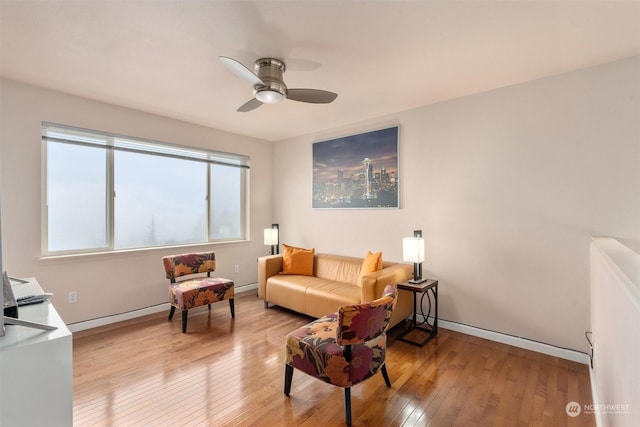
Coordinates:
[161,251]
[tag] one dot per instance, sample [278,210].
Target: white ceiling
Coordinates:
[381,57]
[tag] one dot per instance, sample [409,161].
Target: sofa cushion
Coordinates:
[289,291]
[297,260]
[325,296]
[311,295]
[338,268]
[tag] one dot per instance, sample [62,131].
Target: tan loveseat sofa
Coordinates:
[336,281]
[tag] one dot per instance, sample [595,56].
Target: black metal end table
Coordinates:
[429,288]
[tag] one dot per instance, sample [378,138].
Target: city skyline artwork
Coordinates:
[357,171]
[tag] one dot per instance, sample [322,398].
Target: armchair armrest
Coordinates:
[373,284]
[267,266]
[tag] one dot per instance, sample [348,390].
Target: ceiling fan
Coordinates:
[268,84]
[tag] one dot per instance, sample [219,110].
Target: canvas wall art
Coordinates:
[357,171]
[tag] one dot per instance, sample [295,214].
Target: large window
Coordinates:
[107,192]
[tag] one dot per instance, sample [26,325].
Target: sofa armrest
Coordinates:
[267,266]
[373,284]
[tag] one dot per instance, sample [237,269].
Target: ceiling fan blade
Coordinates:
[240,70]
[314,96]
[252,104]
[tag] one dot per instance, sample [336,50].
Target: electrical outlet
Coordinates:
[73,297]
[236,268]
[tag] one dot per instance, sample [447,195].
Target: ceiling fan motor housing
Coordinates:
[270,71]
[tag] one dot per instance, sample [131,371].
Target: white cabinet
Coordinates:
[36,367]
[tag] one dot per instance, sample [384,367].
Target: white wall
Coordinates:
[113,283]
[615,316]
[507,186]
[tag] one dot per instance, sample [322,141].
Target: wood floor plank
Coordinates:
[230,372]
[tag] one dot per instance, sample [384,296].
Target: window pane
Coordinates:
[227,189]
[109,192]
[76,197]
[159,201]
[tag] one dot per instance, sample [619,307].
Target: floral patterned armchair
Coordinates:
[343,348]
[195,290]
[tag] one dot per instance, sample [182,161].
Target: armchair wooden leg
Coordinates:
[184,321]
[232,307]
[171,311]
[385,375]
[288,377]
[347,405]
[209,307]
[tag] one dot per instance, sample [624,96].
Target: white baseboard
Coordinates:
[107,320]
[539,347]
[536,346]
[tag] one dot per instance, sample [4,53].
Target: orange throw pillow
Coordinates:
[372,262]
[297,260]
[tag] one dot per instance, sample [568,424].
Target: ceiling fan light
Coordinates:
[269,96]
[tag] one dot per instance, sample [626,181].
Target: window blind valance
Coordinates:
[77,136]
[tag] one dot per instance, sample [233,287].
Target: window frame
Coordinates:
[115,142]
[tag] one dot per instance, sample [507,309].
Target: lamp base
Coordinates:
[417,281]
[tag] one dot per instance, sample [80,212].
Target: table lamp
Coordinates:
[413,251]
[272,238]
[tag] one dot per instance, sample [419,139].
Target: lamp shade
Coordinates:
[413,249]
[270,236]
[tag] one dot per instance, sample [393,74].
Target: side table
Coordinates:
[415,329]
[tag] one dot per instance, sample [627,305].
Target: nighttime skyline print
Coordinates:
[357,171]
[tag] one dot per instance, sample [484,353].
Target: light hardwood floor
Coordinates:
[146,372]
